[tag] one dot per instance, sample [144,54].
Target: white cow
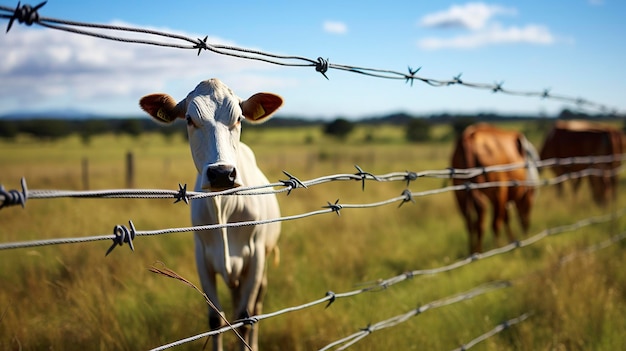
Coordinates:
[214,115]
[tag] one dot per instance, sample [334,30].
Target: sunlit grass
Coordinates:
[73,297]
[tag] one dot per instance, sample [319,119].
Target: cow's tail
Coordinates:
[532,158]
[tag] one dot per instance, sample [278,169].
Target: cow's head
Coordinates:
[214,115]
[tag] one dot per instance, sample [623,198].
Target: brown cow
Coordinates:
[483,145]
[582,138]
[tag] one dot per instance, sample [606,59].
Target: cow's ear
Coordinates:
[259,107]
[161,107]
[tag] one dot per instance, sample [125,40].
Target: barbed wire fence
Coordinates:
[384,284]
[29,15]
[126,234]
[123,234]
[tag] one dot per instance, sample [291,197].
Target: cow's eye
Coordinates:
[190,122]
[237,121]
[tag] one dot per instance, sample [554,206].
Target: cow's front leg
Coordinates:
[209,286]
[246,296]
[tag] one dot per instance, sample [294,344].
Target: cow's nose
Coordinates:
[221,176]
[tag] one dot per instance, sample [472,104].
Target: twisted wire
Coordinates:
[500,327]
[335,207]
[294,183]
[393,321]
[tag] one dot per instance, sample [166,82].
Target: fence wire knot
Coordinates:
[409,78]
[14,197]
[182,194]
[25,14]
[249,320]
[452,171]
[201,45]
[292,182]
[456,79]
[364,176]
[368,329]
[334,207]
[497,87]
[410,176]
[332,299]
[408,196]
[322,66]
[123,235]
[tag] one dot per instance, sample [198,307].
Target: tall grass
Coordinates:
[70,297]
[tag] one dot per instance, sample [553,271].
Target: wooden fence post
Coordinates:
[130,170]
[85,173]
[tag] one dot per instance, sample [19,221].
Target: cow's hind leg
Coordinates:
[480,209]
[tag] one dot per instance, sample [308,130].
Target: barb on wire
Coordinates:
[336,207]
[363,175]
[292,182]
[182,194]
[14,197]
[29,15]
[123,234]
[25,14]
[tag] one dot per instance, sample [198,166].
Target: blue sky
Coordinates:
[572,47]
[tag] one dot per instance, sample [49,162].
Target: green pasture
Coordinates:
[72,297]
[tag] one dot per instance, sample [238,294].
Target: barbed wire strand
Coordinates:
[352,339]
[29,15]
[123,234]
[499,328]
[393,321]
[331,297]
[17,197]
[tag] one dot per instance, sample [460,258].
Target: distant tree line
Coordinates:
[417,129]
[52,129]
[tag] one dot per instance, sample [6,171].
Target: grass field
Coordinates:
[72,297]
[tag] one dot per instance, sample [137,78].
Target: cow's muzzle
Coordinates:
[221,177]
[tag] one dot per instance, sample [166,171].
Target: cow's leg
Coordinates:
[500,214]
[558,171]
[524,205]
[209,286]
[507,224]
[247,294]
[258,309]
[466,208]
[481,208]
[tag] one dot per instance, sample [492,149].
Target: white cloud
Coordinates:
[481,28]
[48,65]
[495,34]
[335,27]
[473,16]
